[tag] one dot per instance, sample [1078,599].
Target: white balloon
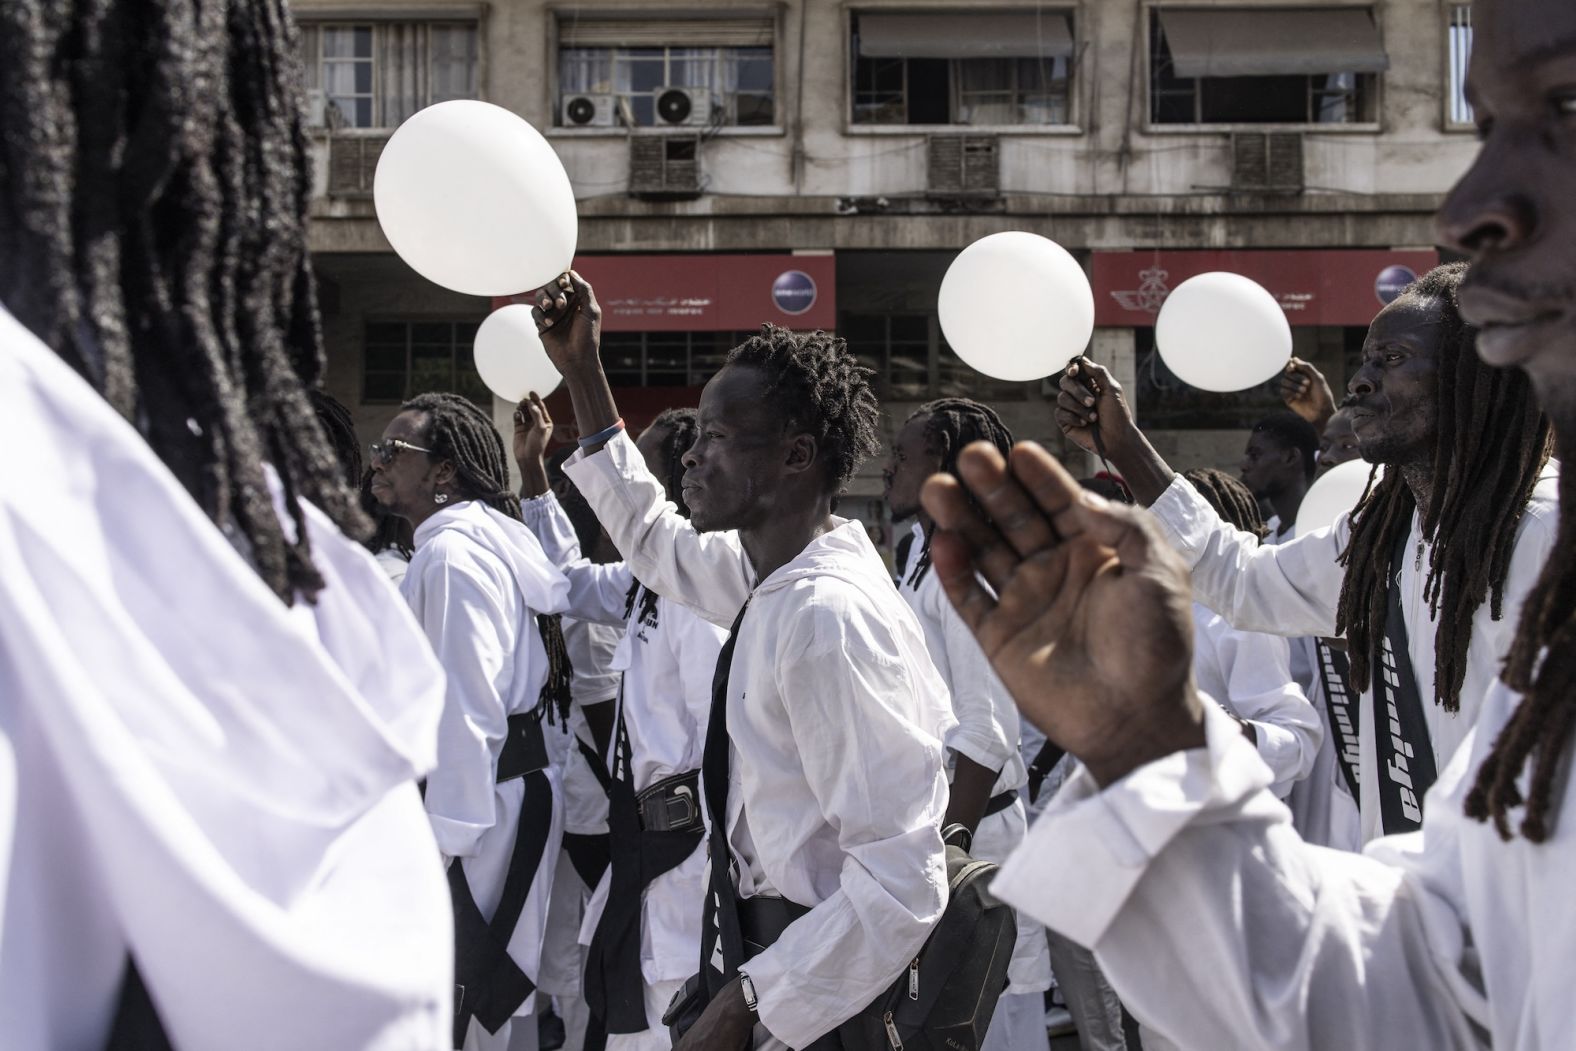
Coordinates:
[1334,493]
[1222,332]
[1016,306]
[475,200]
[510,355]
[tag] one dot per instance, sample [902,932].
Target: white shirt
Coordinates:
[987,732]
[194,772]
[987,719]
[595,681]
[1219,926]
[668,657]
[836,717]
[476,584]
[1248,673]
[1294,589]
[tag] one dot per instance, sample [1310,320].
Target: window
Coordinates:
[619,70]
[665,359]
[378,74]
[971,69]
[912,361]
[1264,66]
[401,359]
[1459,114]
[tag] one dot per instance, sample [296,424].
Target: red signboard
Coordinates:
[710,293]
[1314,287]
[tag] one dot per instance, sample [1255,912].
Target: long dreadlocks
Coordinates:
[1232,501]
[1492,444]
[1540,728]
[457,431]
[951,425]
[153,198]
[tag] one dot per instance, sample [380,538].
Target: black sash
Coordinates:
[614,987]
[1405,752]
[721,942]
[136,1026]
[488,984]
[1335,671]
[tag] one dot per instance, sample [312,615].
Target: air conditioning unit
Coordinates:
[664,166]
[352,161]
[1266,162]
[589,111]
[963,165]
[683,107]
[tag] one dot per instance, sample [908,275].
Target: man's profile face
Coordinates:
[1338,443]
[404,486]
[1267,466]
[733,471]
[911,462]
[1394,402]
[1514,212]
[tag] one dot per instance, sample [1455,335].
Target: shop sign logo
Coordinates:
[793,292]
[1151,292]
[1392,281]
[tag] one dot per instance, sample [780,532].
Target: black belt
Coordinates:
[524,749]
[671,805]
[1002,802]
[488,984]
[650,834]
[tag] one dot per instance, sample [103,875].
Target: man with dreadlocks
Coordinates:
[210,834]
[644,919]
[1204,906]
[988,774]
[825,788]
[1438,557]
[487,596]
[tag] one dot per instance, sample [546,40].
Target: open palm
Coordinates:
[1090,626]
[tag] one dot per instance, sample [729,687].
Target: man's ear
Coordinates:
[444,472]
[802,452]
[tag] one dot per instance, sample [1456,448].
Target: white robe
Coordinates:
[668,661]
[194,773]
[1248,674]
[1294,588]
[1220,927]
[987,732]
[835,717]
[476,583]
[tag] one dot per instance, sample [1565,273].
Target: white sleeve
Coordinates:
[467,618]
[591,649]
[597,593]
[1220,927]
[708,572]
[878,780]
[987,727]
[1287,589]
[1260,689]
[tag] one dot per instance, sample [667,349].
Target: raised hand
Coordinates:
[1090,627]
[533,430]
[1090,397]
[569,320]
[1306,392]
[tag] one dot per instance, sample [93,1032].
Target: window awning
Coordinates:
[1030,34]
[1240,42]
[578,31]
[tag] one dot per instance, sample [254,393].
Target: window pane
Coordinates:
[453,57]
[386,332]
[339,42]
[1460,55]
[1254,100]
[363,74]
[363,113]
[432,332]
[385,357]
[383,386]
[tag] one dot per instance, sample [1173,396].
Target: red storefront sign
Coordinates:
[710,293]
[1314,287]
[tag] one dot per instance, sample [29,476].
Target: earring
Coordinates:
[440,498]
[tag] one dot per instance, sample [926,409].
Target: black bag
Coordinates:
[946,998]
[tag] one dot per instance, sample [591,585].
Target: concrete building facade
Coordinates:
[717,149]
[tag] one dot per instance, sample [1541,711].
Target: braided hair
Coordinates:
[459,432]
[823,390]
[340,429]
[1539,731]
[154,184]
[683,426]
[1233,501]
[1493,443]
[951,425]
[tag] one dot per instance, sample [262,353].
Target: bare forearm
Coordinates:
[533,478]
[1143,469]
[971,785]
[595,409]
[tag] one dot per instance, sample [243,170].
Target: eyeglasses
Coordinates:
[383,452]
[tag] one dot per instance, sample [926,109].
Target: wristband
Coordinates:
[603,435]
